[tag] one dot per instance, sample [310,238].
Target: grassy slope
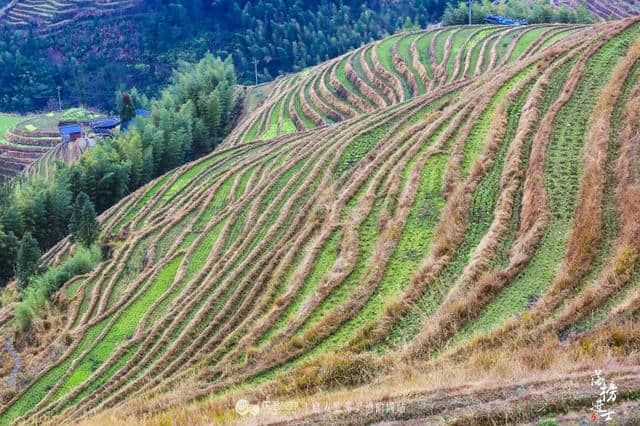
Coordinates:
[245,265]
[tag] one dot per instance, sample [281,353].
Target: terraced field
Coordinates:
[455,216]
[23,143]
[33,145]
[62,152]
[605,9]
[50,15]
[394,70]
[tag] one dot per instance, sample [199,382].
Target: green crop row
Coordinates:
[384,51]
[562,176]
[480,217]
[479,134]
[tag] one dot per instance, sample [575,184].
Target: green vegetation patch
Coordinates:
[287,125]
[7,122]
[563,171]
[525,41]
[272,131]
[478,137]
[423,46]
[123,329]
[188,175]
[384,51]
[457,45]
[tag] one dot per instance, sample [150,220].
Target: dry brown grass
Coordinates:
[363,175]
[364,88]
[546,364]
[402,68]
[586,230]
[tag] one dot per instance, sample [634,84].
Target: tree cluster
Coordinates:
[540,12]
[287,36]
[187,121]
[94,58]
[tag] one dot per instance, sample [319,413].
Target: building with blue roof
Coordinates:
[505,20]
[104,126]
[70,132]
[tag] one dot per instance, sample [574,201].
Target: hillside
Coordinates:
[52,15]
[33,144]
[605,9]
[48,15]
[85,59]
[397,219]
[385,73]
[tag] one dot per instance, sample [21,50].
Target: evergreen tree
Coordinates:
[9,245]
[147,166]
[128,110]
[84,225]
[178,130]
[12,221]
[28,258]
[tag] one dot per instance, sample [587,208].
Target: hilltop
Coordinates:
[446,219]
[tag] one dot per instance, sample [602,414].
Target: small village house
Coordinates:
[70,132]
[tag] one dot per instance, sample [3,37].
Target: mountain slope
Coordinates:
[497,214]
[47,15]
[393,70]
[33,145]
[605,9]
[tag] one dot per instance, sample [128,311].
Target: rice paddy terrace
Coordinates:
[47,15]
[431,220]
[62,152]
[385,73]
[605,9]
[33,145]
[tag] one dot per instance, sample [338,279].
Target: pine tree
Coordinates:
[84,226]
[28,258]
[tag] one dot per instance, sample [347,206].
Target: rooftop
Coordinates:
[70,128]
